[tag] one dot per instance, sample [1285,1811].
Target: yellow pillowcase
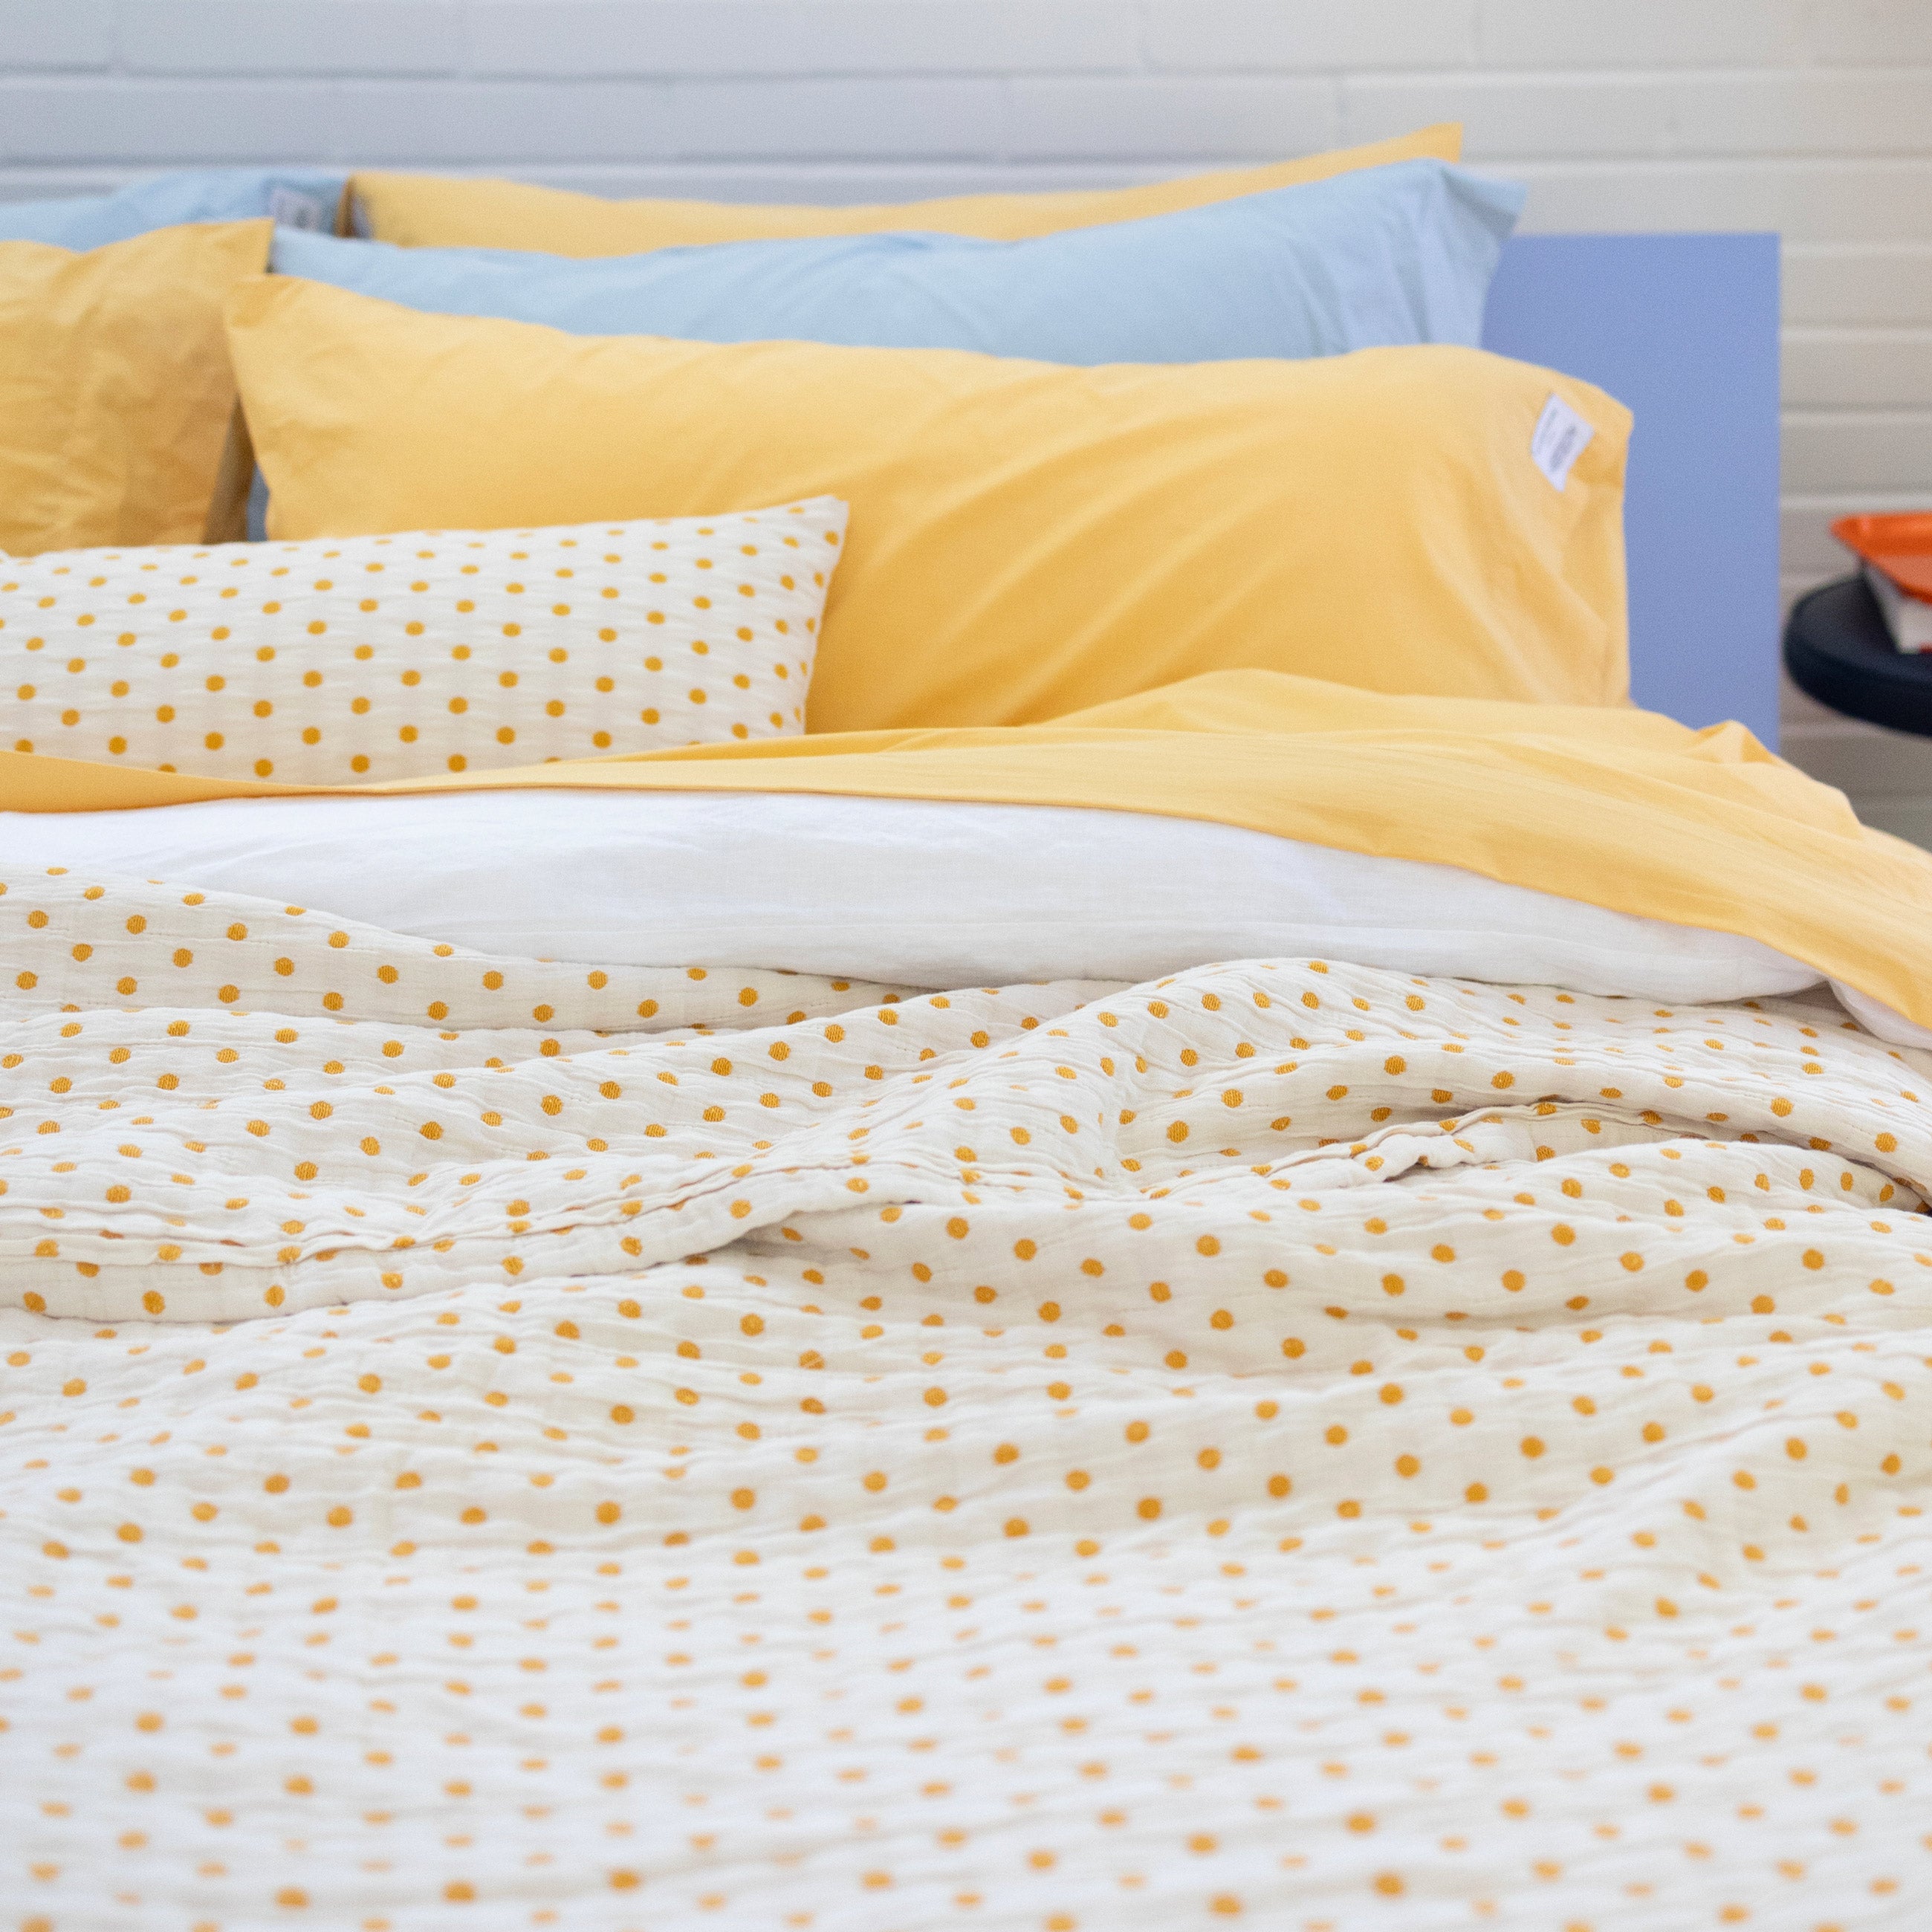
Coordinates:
[437,211]
[1026,538]
[116,391]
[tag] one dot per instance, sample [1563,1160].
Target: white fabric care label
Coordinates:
[1561,436]
[294,209]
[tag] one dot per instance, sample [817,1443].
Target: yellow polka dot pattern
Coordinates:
[1292,1444]
[357,659]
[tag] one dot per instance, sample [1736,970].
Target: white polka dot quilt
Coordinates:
[493,1443]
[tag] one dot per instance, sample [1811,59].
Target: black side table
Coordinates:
[1837,650]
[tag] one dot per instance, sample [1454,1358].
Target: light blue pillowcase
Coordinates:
[297,197]
[1389,255]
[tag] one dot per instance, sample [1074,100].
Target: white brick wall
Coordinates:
[1813,117]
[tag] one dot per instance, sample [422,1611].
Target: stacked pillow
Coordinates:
[1027,539]
[116,394]
[116,398]
[340,661]
[1398,254]
[296,197]
[1091,443]
[444,212]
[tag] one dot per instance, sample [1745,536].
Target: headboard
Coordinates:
[1683,328]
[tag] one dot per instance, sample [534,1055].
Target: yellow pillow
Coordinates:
[116,391]
[1026,538]
[438,211]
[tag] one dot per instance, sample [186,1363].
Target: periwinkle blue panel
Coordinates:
[1682,328]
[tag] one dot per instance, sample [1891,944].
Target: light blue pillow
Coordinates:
[1389,255]
[297,197]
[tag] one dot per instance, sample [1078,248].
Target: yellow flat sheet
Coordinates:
[1619,808]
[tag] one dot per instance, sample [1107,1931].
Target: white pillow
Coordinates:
[347,659]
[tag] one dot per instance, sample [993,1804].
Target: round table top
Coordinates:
[1838,650]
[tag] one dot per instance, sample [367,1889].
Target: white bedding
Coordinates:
[905,892]
[915,892]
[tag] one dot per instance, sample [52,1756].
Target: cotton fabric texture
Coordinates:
[116,393]
[301,197]
[1398,254]
[1292,1440]
[1027,539]
[394,657]
[443,211]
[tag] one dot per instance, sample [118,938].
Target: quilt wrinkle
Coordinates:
[505,1443]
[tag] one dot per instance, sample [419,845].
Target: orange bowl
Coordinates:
[1900,544]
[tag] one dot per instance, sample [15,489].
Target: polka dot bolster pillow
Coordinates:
[342,660]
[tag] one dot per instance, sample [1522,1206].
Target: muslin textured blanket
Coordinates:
[491,1443]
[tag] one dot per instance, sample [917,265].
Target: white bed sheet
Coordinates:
[914,892]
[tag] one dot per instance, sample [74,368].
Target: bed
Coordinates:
[1270,1303]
